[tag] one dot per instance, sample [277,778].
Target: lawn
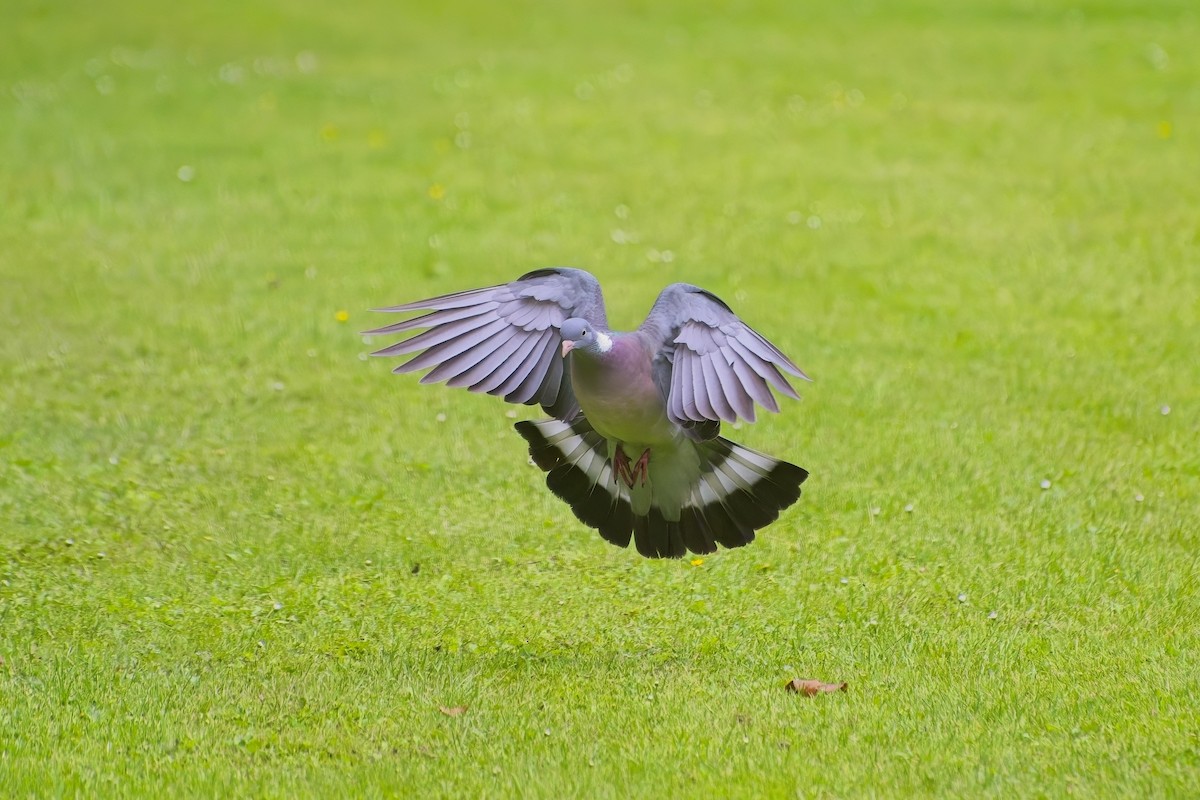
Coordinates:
[239,558]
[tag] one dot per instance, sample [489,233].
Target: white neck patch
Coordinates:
[603,342]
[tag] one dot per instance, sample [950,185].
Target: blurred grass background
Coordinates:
[239,557]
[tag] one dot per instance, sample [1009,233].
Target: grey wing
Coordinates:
[711,366]
[503,340]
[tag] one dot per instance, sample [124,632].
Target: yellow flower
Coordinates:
[329,132]
[1164,130]
[437,191]
[342,315]
[697,562]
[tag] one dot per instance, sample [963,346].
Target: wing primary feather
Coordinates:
[452,347]
[511,365]
[438,335]
[523,370]
[488,358]
[552,381]
[731,384]
[684,362]
[452,368]
[527,391]
[454,300]
[764,368]
[767,351]
[700,391]
[675,397]
[714,390]
[754,385]
[433,318]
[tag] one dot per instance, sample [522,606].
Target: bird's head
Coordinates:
[579,334]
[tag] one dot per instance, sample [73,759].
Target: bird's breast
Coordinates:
[620,399]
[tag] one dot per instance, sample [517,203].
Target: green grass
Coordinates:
[239,558]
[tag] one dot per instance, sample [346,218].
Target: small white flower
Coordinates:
[993,615]
[231,73]
[1045,483]
[185,173]
[962,598]
[306,62]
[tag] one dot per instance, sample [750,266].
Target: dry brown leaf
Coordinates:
[808,687]
[455,711]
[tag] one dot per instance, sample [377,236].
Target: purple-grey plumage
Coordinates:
[634,446]
[623,402]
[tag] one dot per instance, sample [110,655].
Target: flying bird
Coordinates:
[633,445]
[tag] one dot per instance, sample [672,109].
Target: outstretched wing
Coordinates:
[711,366]
[503,340]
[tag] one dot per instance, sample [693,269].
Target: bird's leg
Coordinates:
[630,473]
[621,468]
[642,468]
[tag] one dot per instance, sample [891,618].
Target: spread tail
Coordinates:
[722,495]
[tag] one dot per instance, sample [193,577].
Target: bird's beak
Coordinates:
[568,346]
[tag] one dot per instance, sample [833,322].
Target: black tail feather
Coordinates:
[739,491]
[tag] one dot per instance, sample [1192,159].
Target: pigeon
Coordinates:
[633,441]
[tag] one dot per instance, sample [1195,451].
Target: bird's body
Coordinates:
[622,402]
[633,447]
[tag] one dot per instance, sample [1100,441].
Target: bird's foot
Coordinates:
[642,467]
[621,467]
[631,473]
